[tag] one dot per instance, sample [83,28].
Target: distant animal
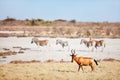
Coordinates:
[39,42]
[87,43]
[98,43]
[62,43]
[93,43]
[83,61]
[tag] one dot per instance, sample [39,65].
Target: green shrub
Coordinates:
[9,19]
[33,22]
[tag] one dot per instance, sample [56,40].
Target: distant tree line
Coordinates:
[58,22]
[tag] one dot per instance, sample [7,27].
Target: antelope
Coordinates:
[83,61]
[98,43]
[93,43]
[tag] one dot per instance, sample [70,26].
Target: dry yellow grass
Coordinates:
[106,70]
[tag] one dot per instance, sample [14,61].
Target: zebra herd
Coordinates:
[91,43]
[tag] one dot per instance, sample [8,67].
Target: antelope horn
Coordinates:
[73,51]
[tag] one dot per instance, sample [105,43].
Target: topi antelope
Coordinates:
[83,61]
[93,43]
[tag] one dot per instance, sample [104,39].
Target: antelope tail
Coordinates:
[95,62]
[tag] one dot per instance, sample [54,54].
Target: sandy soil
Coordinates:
[106,70]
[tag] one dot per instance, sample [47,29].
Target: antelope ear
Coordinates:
[75,54]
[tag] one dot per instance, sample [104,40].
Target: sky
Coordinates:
[79,10]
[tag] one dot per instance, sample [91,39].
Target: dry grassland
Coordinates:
[106,70]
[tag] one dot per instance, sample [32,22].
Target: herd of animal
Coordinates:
[91,43]
[81,61]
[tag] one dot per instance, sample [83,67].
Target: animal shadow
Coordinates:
[68,71]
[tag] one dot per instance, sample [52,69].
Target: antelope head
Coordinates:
[73,54]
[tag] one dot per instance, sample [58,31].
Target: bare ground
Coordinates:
[106,70]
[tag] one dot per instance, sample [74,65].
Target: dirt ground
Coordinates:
[106,70]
